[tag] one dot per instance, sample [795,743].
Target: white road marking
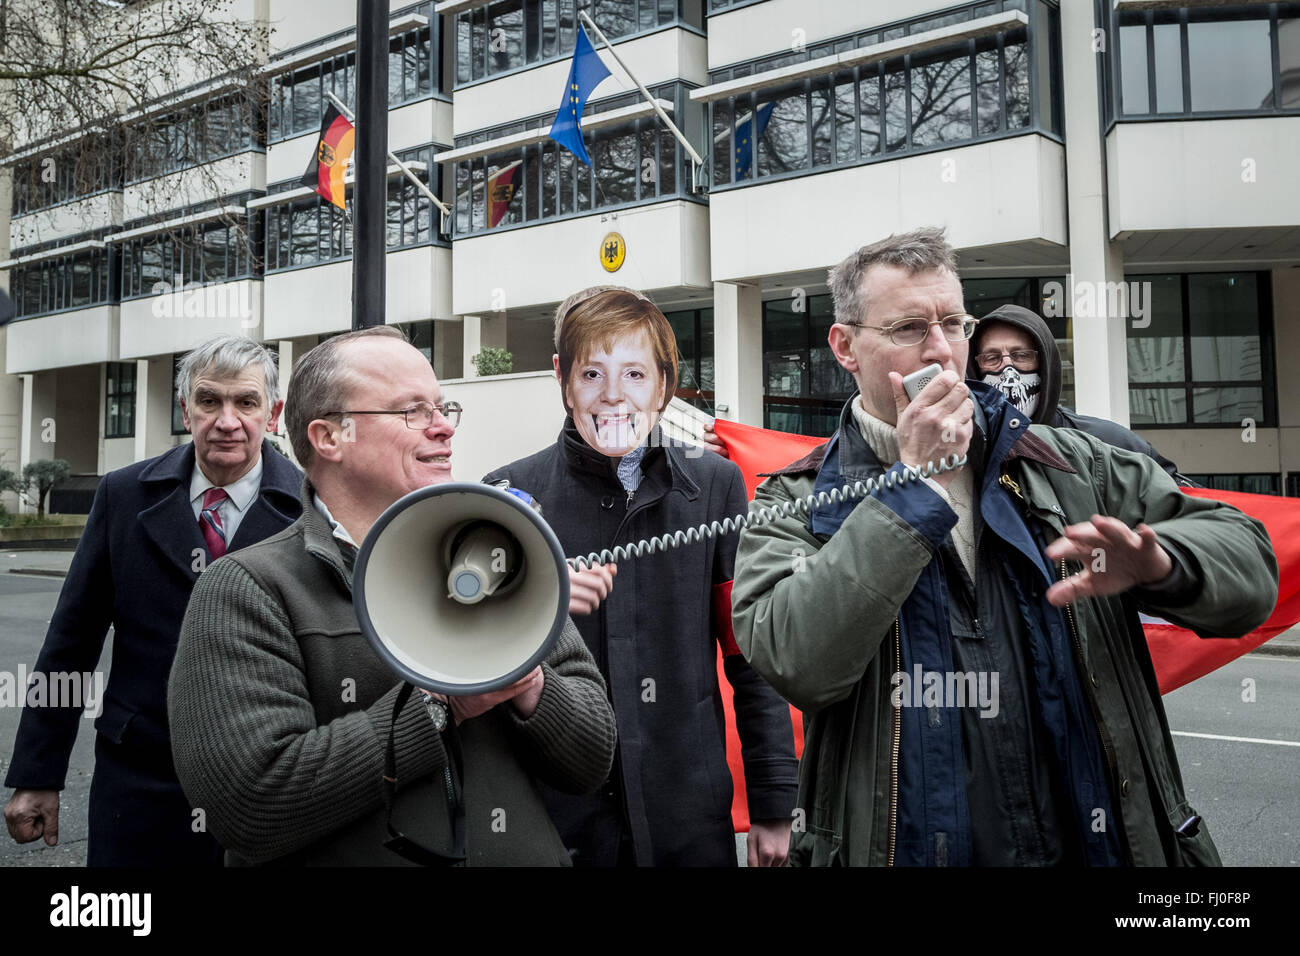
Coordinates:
[1240,740]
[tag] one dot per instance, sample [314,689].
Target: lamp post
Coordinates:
[370,190]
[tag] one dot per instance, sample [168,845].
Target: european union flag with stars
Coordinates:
[746,134]
[585,75]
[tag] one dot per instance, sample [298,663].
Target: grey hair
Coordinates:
[320,383]
[919,250]
[225,356]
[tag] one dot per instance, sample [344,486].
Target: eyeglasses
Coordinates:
[418,416]
[1026,360]
[912,331]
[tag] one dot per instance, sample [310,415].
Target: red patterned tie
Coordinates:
[210,522]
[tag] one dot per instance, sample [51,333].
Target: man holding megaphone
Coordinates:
[293,736]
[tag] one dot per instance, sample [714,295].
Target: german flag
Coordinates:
[325,174]
[501,189]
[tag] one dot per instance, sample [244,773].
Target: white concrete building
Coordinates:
[1126,167]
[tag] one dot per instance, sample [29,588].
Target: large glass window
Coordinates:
[77,281]
[312,230]
[199,134]
[804,386]
[1190,60]
[216,251]
[1204,357]
[970,90]
[64,175]
[299,98]
[632,162]
[510,34]
[694,331]
[119,405]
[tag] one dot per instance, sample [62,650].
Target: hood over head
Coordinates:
[1049,359]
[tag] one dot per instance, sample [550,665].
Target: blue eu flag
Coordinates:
[746,134]
[584,76]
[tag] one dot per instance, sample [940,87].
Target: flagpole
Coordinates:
[410,173]
[681,138]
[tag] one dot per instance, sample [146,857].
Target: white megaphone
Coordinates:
[462,588]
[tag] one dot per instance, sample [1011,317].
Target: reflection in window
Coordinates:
[614,160]
[313,230]
[1223,313]
[1231,65]
[1133,69]
[941,102]
[511,34]
[1226,380]
[821,114]
[783,141]
[631,162]
[65,282]
[1227,406]
[846,112]
[895,107]
[1155,352]
[988,89]
[1016,56]
[1288,49]
[1169,68]
[119,404]
[298,100]
[1156,406]
[1228,67]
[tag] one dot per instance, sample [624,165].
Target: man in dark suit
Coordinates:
[153,528]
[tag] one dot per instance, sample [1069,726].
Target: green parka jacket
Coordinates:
[816,616]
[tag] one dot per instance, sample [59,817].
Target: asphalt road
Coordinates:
[1244,786]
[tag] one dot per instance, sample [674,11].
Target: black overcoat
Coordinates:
[134,568]
[655,639]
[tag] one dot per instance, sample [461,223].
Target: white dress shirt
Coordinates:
[340,532]
[239,496]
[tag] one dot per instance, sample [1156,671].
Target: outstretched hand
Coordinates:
[1115,558]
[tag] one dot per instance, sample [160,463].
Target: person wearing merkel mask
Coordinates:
[653,623]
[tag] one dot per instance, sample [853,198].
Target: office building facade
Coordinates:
[1124,167]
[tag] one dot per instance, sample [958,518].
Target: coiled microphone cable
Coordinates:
[849,492]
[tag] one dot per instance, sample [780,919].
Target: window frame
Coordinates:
[1043,22]
[121,395]
[1272,14]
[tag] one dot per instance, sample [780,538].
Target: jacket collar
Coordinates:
[663,463]
[318,537]
[169,522]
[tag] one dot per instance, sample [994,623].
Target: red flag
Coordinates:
[330,160]
[501,188]
[1179,655]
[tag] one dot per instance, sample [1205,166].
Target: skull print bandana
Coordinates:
[1020,388]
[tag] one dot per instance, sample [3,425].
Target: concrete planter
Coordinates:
[44,537]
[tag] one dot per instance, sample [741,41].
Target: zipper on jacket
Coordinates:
[1009,483]
[893,752]
[1085,680]
[631,493]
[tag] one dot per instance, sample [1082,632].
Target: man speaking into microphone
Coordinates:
[281,711]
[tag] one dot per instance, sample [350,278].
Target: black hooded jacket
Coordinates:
[1049,410]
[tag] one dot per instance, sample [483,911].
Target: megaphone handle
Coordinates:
[848,492]
[399,842]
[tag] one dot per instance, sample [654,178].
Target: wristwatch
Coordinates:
[437,712]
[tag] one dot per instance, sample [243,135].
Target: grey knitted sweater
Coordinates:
[280,712]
